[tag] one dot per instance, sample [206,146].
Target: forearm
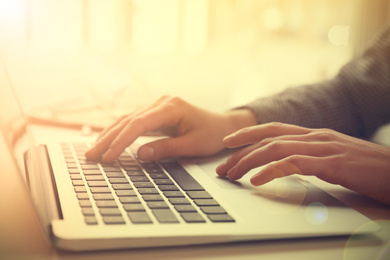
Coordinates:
[355,102]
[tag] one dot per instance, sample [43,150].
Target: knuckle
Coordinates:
[244,131]
[325,134]
[266,141]
[295,159]
[276,144]
[175,100]
[164,97]
[274,125]
[137,123]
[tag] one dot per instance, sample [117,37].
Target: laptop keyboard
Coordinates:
[129,190]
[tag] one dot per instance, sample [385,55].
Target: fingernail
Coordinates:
[227,138]
[146,153]
[232,173]
[255,180]
[220,168]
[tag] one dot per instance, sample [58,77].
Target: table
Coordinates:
[22,237]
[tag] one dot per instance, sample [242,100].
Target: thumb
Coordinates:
[165,148]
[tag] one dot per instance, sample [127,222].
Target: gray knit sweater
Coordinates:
[355,102]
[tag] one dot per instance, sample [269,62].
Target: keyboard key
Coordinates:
[113,220]
[220,218]
[153,170]
[157,205]
[91,220]
[126,200]
[100,190]
[118,180]
[72,165]
[139,217]
[139,178]
[173,194]
[213,210]
[85,203]
[206,202]
[89,167]
[163,182]
[122,193]
[155,176]
[179,201]
[92,172]
[97,183]
[144,191]
[130,162]
[150,165]
[135,173]
[152,198]
[122,187]
[110,212]
[185,208]
[199,194]
[109,164]
[112,169]
[143,185]
[82,196]
[106,204]
[114,174]
[168,188]
[78,183]
[75,176]
[165,216]
[80,189]
[95,178]
[134,207]
[103,196]
[181,176]
[88,212]
[192,217]
[132,168]
[72,171]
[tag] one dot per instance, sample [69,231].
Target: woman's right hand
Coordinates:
[198,132]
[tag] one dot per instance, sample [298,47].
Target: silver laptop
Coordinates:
[86,205]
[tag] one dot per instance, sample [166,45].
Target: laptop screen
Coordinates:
[13,124]
[14,127]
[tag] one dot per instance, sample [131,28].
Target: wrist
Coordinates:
[241,118]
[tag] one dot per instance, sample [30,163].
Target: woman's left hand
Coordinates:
[286,149]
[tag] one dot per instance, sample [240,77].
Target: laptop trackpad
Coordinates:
[283,187]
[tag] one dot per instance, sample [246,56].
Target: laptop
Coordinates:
[85,205]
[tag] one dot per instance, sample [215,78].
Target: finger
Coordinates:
[126,118]
[153,119]
[275,170]
[296,164]
[272,142]
[276,151]
[111,126]
[102,144]
[109,133]
[254,134]
[233,159]
[167,148]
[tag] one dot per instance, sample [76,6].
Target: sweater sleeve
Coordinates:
[355,102]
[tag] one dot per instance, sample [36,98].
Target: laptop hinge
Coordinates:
[46,183]
[44,155]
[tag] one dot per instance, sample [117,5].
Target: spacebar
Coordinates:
[181,176]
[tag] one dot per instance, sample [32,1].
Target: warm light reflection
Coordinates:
[272,19]
[338,35]
[234,50]
[11,8]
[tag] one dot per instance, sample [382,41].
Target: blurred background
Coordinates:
[109,57]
